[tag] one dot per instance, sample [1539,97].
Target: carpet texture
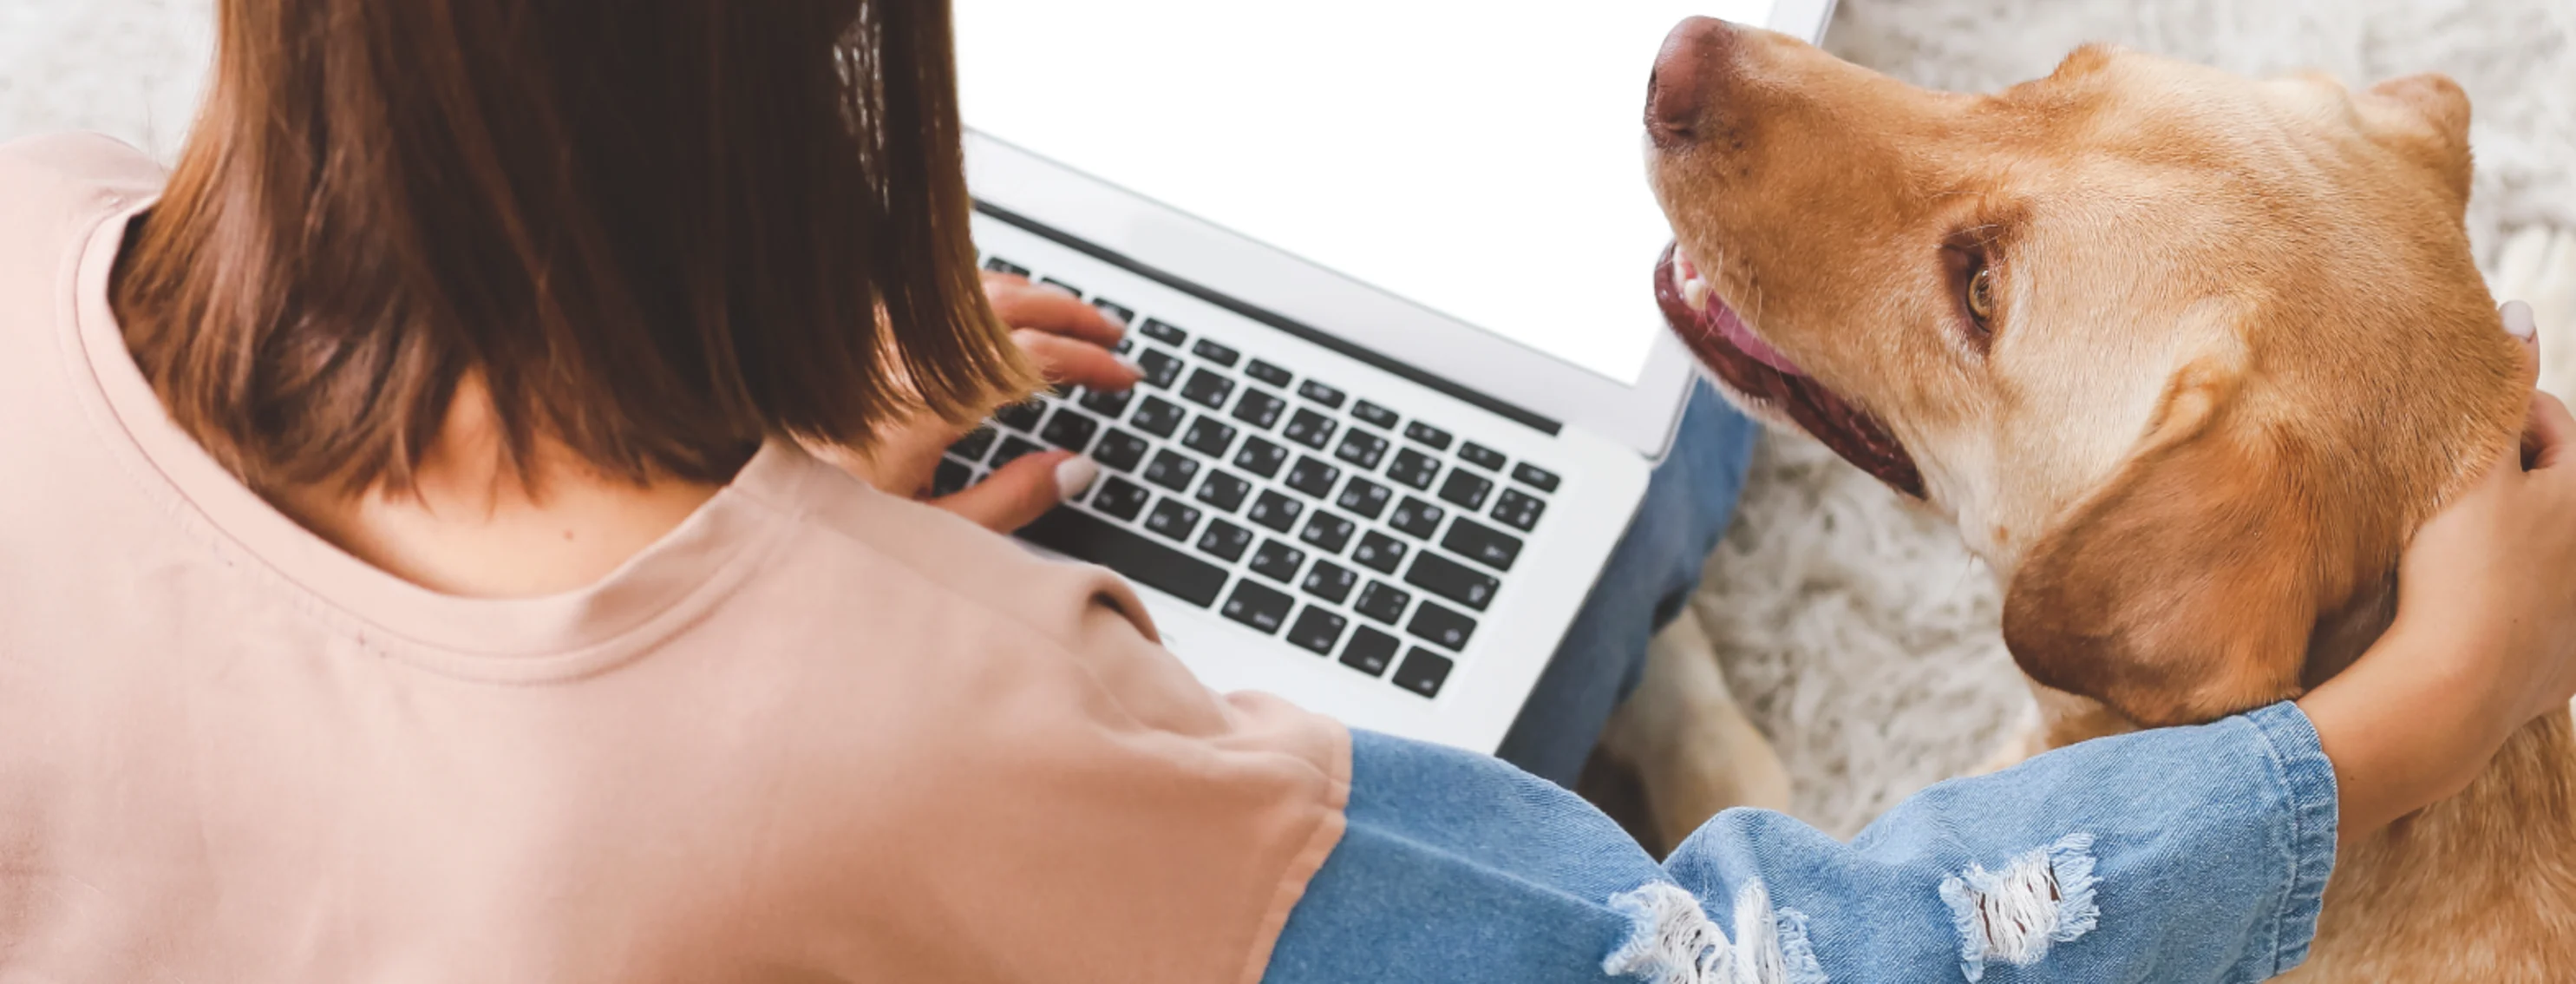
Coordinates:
[1860,636]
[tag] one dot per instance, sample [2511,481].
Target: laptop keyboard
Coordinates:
[1287,504]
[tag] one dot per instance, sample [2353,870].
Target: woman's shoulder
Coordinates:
[69,175]
[948,561]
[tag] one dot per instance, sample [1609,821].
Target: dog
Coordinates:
[2186,357]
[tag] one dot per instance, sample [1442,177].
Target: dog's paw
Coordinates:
[2538,267]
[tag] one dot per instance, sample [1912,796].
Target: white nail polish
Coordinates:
[2517,320]
[1073,475]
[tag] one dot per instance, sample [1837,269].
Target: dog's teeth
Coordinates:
[1695,293]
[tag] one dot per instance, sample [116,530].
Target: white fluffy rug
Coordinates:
[1857,633]
[1861,637]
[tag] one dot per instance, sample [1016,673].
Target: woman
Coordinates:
[412,571]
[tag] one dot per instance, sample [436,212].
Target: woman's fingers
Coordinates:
[1048,308]
[1020,492]
[2546,437]
[2518,324]
[1076,363]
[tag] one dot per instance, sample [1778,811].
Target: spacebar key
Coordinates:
[1083,536]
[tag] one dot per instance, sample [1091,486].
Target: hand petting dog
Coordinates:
[2479,648]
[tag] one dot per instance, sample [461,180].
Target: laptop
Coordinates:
[1386,266]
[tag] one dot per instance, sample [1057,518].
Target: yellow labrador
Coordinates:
[2186,356]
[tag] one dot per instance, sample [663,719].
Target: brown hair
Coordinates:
[658,230]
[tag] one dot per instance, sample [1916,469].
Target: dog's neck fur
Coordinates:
[2480,887]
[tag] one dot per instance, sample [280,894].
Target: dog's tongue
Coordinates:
[1722,320]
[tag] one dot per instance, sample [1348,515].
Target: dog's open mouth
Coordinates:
[1760,373]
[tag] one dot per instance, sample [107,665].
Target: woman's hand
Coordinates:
[2485,637]
[1071,343]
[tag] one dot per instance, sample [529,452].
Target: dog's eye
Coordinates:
[1981,295]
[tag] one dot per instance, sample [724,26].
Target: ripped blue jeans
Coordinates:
[2174,855]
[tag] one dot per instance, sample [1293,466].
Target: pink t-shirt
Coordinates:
[816,732]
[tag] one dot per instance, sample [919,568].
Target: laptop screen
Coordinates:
[1484,160]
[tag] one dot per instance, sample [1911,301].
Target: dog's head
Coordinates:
[2186,355]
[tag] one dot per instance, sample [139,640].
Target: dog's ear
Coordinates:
[2183,589]
[2436,114]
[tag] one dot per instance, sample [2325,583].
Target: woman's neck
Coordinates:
[471,527]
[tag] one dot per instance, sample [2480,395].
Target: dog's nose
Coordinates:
[1691,65]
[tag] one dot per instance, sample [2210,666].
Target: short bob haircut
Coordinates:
[659,231]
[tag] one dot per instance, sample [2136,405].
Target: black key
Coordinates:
[1423,672]
[1481,456]
[1260,457]
[1361,448]
[1207,389]
[1226,492]
[1466,489]
[1452,580]
[1124,346]
[1000,265]
[1224,539]
[1268,373]
[1012,449]
[1482,544]
[1383,602]
[1086,537]
[1258,408]
[1364,497]
[1276,511]
[1171,470]
[1369,652]
[1105,402]
[1173,520]
[1076,291]
[1117,312]
[1216,352]
[1327,532]
[1318,630]
[1021,416]
[1160,368]
[1331,582]
[1258,606]
[1159,330]
[1069,429]
[950,477]
[1414,468]
[1374,415]
[1119,449]
[1120,497]
[1519,511]
[1312,476]
[1379,552]
[1208,437]
[1309,428]
[1435,437]
[1278,561]
[1534,477]
[1159,417]
[1442,627]
[972,446]
[1321,393]
[1416,518]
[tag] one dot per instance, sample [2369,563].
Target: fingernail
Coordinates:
[2517,320]
[1073,476]
[1132,366]
[1060,289]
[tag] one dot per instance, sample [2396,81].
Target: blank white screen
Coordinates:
[1481,159]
